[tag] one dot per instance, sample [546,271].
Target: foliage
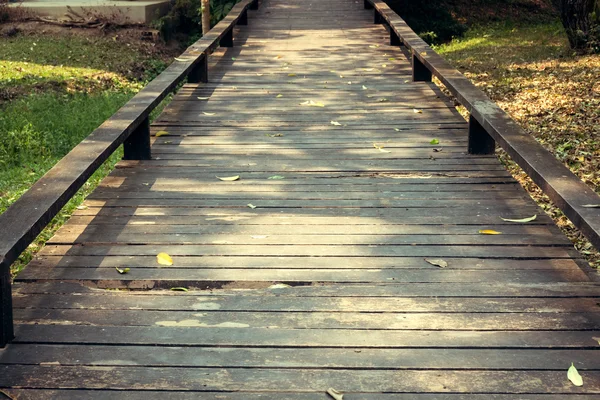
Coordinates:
[185,17]
[551,92]
[430,19]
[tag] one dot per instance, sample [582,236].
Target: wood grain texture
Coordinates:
[327,282]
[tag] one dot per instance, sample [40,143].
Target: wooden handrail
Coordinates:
[489,124]
[23,221]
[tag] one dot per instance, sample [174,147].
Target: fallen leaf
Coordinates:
[233,58]
[437,150]
[279,96]
[597,339]
[252,206]
[203,98]
[279,286]
[434,141]
[489,232]
[277,57]
[397,130]
[384,65]
[349,83]
[523,220]
[364,87]
[276,177]
[437,262]
[82,207]
[424,53]
[275,135]
[368,69]
[164,259]
[591,205]
[335,123]
[161,133]
[207,113]
[335,394]
[417,111]
[259,74]
[391,58]
[229,178]
[374,46]
[179,289]
[341,76]
[259,236]
[382,100]
[184,59]
[574,376]
[291,75]
[122,271]
[311,103]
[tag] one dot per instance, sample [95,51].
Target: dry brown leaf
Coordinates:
[438,262]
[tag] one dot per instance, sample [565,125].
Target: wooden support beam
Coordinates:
[243,20]
[377,17]
[199,74]
[137,145]
[480,142]
[368,5]
[6,313]
[227,39]
[394,38]
[420,72]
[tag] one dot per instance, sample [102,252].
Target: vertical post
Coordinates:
[243,19]
[254,5]
[205,6]
[368,5]
[137,145]
[420,72]
[480,142]
[394,38]
[377,17]
[7,332]
[199,74]
[227,39]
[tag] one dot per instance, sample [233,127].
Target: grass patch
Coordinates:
[54,91]
[554,94]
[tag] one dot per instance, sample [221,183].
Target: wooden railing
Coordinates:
[489,124]
[22,222]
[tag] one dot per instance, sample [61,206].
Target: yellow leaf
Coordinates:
[161,133]
[164,259]
[574,376]
[279,96]
[489,232]
[335,123]
[364,87]
[252,206]
[229,178]
[258,74]
[122,271]
[291,75]
[312,104]
[377,146]
[179,289]
[203,98]
[341,76]
[277,57]
[335,394]
[384,65]
[523,220]
[417,111]
[207,113]
[368,69]
[184,59]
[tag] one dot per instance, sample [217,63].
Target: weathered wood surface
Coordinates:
[359,209]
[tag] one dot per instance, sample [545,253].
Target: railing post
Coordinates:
[480,142]
[394,38]
[7,332]
[227,39]
[137,145]
[377,17]
[199,73]
[254,5]
[368,5]
[420,72]
[243,19]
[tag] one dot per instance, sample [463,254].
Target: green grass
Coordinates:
[56,91]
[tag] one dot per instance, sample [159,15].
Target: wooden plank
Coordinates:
[303,357]
[207,379]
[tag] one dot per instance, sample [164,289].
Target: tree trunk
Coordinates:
[205,16]
[576,17]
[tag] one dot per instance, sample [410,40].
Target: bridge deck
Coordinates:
[365,198]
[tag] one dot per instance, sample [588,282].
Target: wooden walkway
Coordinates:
[332,140]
